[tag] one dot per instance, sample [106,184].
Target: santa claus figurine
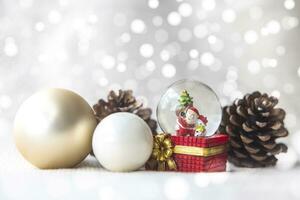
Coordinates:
[191,123]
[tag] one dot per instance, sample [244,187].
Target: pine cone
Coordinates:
[253,124]
[124,101]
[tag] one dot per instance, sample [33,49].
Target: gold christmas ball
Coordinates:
[53,129]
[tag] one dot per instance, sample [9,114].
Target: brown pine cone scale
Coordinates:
[123,101]
[253,124]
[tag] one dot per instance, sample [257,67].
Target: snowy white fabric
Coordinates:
[20,180]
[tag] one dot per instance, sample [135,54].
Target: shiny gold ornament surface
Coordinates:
[54,128]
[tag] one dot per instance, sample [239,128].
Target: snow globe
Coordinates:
[191,112]
[189,108]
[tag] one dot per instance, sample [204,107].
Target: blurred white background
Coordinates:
[91,47]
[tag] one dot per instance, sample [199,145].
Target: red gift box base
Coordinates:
[191,163]
[186,163]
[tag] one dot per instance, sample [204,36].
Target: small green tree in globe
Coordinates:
[185,99]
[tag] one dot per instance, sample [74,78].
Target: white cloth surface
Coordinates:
[20,180]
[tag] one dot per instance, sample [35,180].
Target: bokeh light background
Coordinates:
[91,47]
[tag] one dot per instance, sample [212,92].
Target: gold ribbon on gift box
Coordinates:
[199,151]
[163,149]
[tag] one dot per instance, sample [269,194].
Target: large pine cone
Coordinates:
[124,101]
[253,124]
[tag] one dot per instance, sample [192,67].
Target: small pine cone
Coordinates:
[124,101]
[253,124]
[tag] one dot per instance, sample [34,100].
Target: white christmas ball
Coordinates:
[122,142]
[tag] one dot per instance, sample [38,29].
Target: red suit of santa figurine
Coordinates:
[191,123]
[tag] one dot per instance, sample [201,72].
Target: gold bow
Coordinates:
[161,158]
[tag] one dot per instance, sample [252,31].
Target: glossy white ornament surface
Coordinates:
[53,129]
[122,142]
[204,98]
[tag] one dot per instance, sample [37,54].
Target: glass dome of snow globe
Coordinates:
[189,108]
